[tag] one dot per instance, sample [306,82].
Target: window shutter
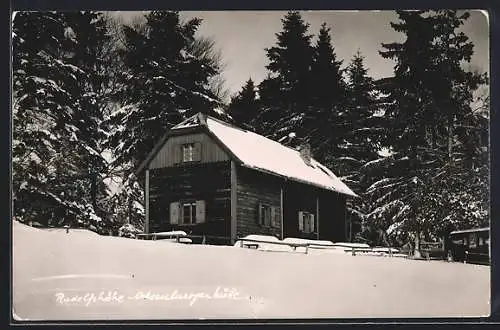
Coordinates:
[178,154]
[301,221]
[174,212]
[273,216]
[197,151]
[200,211]
[312,223]
[260,215]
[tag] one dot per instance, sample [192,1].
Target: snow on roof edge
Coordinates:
[463,231]
[298,180]
[334,180]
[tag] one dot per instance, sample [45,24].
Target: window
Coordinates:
[269,216]
[306,222]
[472,241]
[188,152]
[187,212]
[264,215]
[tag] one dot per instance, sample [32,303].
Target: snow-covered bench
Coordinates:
[367,250]
[310,242]
[258,241]
[178,236]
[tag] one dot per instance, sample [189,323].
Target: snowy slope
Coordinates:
[152,277]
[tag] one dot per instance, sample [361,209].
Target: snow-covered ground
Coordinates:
[81,276]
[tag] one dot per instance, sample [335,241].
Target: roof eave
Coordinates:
[298,180]
[465,231]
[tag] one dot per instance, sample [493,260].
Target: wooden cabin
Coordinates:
[210,178]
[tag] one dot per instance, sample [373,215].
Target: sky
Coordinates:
[242,37]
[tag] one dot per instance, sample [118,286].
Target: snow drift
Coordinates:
[84,276]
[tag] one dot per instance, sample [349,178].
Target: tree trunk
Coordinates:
[450,138]
[129,213]
[416,253]
[93,191]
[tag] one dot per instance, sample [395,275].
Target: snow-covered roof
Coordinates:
[474,230]
[260,153]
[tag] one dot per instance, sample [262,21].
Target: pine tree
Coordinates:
[325,120]
[163,84]
[326,82]
[429,98]
[41,106]
[284,94]
[411,82]
[90,55]
[290,59]
[56,116]
[363,133]
[244,106]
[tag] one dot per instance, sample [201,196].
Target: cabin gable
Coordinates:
[192,148]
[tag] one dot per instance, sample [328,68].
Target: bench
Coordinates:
[172,235]
[475,257]
[143,236]
[353,250]
[377,250]
[251,245]
[254,243]
[203,239]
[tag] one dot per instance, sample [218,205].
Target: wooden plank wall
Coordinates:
[298,197]
[253,188]
[168,157]
[332,216]
[208,182]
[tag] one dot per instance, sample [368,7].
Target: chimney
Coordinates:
[202,118]
[305,152]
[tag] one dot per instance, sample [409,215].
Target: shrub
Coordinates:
[128,230]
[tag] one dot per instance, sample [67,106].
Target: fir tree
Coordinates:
[429,103]
[243,107]
[365,124]
[164,83]
[363,132]
[41,106]
[91,56]
[324,120]
[290,59]
[56,119]
[285,93]
[411,82]
[327,84]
